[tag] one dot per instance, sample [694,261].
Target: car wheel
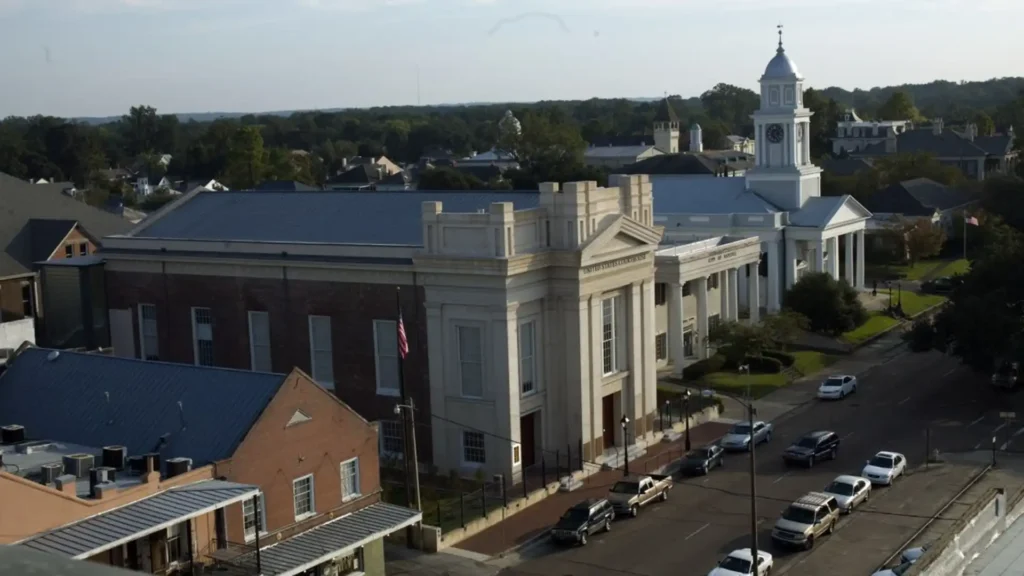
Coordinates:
[768,437]
[583,539]
[704,470]
[608,524]
[664,495]
[809,543]
[832,455]
[832,527]
[810,462]
[634,510]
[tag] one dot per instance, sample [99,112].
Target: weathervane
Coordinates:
[780,35]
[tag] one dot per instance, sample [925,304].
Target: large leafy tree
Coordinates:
[899,106]
[246,160]
[830,306]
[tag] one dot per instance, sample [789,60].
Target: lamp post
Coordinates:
[668,412]
[411,411]
[625,444]
[888,288]
[686,408]
[899,291]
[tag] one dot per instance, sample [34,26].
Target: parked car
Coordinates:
[582,520]
[813,447]
[740,563]
[739,436]
[703,459]
[943,285]
[630,494]
[885,467]
[804,521]
[895,570]
[1006,375]
[837,387]
[849,491]
[913,554]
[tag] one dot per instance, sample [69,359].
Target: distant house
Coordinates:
[359,177]
[739,144]
[386,165]
[186,186]
[917,198]
[146,185]
[854,134]
[398,181]
[713,164]
[115,174]
[490,158]
[613,157]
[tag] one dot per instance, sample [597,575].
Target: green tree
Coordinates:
[141,126]
[444,178]
[732,105]
[246,159]
[899,106]
[784,327]
[914,239]
[830,306]
[823,123]
[902,167]
[736,340]
[986,127]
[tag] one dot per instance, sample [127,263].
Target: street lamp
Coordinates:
[899,291]
[686,407]
[410,410]
[888,287]
[625,444]
[666,413]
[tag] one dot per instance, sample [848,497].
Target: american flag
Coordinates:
[971,220]
[403,342]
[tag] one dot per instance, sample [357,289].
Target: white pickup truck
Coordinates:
[630,494]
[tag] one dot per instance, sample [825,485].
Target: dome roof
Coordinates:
[781,66]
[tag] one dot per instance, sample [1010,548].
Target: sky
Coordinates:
[99,57]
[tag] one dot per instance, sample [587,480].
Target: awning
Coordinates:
[330,540]
[122,525]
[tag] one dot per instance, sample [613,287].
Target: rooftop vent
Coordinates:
[98,476]
[115,457]
[12,434]
[178,466]
[78,465]
[51,472]
[34,446]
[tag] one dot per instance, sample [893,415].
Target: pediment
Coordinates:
[622,237]
[849,211]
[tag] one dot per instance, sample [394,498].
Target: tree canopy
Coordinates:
[830,306]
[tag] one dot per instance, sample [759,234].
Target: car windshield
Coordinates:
[699,454]
[841,488]
[626,488]
[734,564]
[799,515]
[881,462]
[576,515]
[832,383]
[742,429]
[808,442]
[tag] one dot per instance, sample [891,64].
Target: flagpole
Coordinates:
[965,234]
[405,400]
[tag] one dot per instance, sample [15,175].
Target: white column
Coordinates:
[734,304]
[675,327]
[597,424]
[833,257]
[753,294]
[849,276]
[700,290]
[637,361]
[723,294]
[774,303]
[791,259]
[647,398]
[743,300]
[860,259]
[819,255]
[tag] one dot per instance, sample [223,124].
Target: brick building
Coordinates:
[311,459]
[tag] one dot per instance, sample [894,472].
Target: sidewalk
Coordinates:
[537,519]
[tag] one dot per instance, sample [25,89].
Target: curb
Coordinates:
[903,322]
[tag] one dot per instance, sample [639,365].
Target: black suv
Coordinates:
[813,447]
[582,520]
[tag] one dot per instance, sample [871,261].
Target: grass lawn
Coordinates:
[955,267]
[914,303]
[736,384]
[876,324]
[919,270]
[810,362]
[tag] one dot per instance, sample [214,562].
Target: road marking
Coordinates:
[979,419]
[697,531]
[948,373]
[848,435]
[1018,432]
[904,401]
[779,479]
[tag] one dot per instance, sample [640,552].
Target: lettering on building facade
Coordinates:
[721,257]
[615,263]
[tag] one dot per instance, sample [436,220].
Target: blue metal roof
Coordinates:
[706,195]
[98,400]
[327,216]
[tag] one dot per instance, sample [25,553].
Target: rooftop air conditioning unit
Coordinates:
[115,457]
[51,472]
[78,465]
[178,466]
[12,434]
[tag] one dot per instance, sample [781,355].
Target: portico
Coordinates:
[702,282]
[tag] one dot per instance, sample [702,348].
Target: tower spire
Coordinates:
[779,27]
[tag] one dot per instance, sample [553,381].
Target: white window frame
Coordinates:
[611,341]
[387,326]
[358,491]
[483,449]
[528,362]
[463,361]
[144,351]
[312,498]
[251,503]
[195,336]
[386,426]
[325,380]
[254,348]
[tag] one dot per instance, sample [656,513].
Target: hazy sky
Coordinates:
[98,57]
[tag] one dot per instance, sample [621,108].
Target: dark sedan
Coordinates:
[702,459]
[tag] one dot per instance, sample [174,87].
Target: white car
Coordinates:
[739,562]
[913,554]
[885,468]
[895,570]
[837,387]
[849,491]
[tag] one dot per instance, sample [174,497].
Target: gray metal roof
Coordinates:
[948,144]
[816,212]
[328,217]
[15,560]
[332,539]
[110,529]
[706,195]
[781,66]
[98,400]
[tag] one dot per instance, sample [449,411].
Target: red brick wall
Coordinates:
[272,455]
[352,308]
[75,240]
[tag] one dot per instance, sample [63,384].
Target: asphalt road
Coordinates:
[911,404]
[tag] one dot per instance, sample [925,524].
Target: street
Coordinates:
[912,404]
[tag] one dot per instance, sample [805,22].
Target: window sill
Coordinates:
[306,516]
[614,377]
[350,497]
[252,539]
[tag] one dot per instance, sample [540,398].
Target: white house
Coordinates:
[854,134]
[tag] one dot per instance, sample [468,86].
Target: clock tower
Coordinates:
[783,173]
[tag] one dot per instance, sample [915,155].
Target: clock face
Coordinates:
[775,133]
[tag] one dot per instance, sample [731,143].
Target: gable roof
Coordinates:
[672,164]
[324,217]
[21,241]
[665,112]
[995,145]
[367,173]
[947,144]
[917,197]
[708,196]
[825,211]
[98,400]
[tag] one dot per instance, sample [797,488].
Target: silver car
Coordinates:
[849,491]
[740,435]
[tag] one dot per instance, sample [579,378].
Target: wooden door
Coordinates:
[608,420]
[528,436]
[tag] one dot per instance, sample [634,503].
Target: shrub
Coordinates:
[830,306]
[921,336]
[787,360]
[764,364]
[702,368]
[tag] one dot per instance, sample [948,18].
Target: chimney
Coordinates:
[51,472]
[98,476]
[937,126]
[972,132]
[103,490]
[12,434]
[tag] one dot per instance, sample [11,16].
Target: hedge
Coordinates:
[764,364]
[787,360]
[701,368]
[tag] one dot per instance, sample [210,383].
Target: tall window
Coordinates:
[473,447]
[610,334]
[149,342]
[659,293]
[350,479]
[391,443]
[320,350]
[177,549]
[69,250]
[527,358]
[471,364]
[385,349]
[253,517]
[27,309]
[202,336]
[302,495]
[83,249]
[259,341]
